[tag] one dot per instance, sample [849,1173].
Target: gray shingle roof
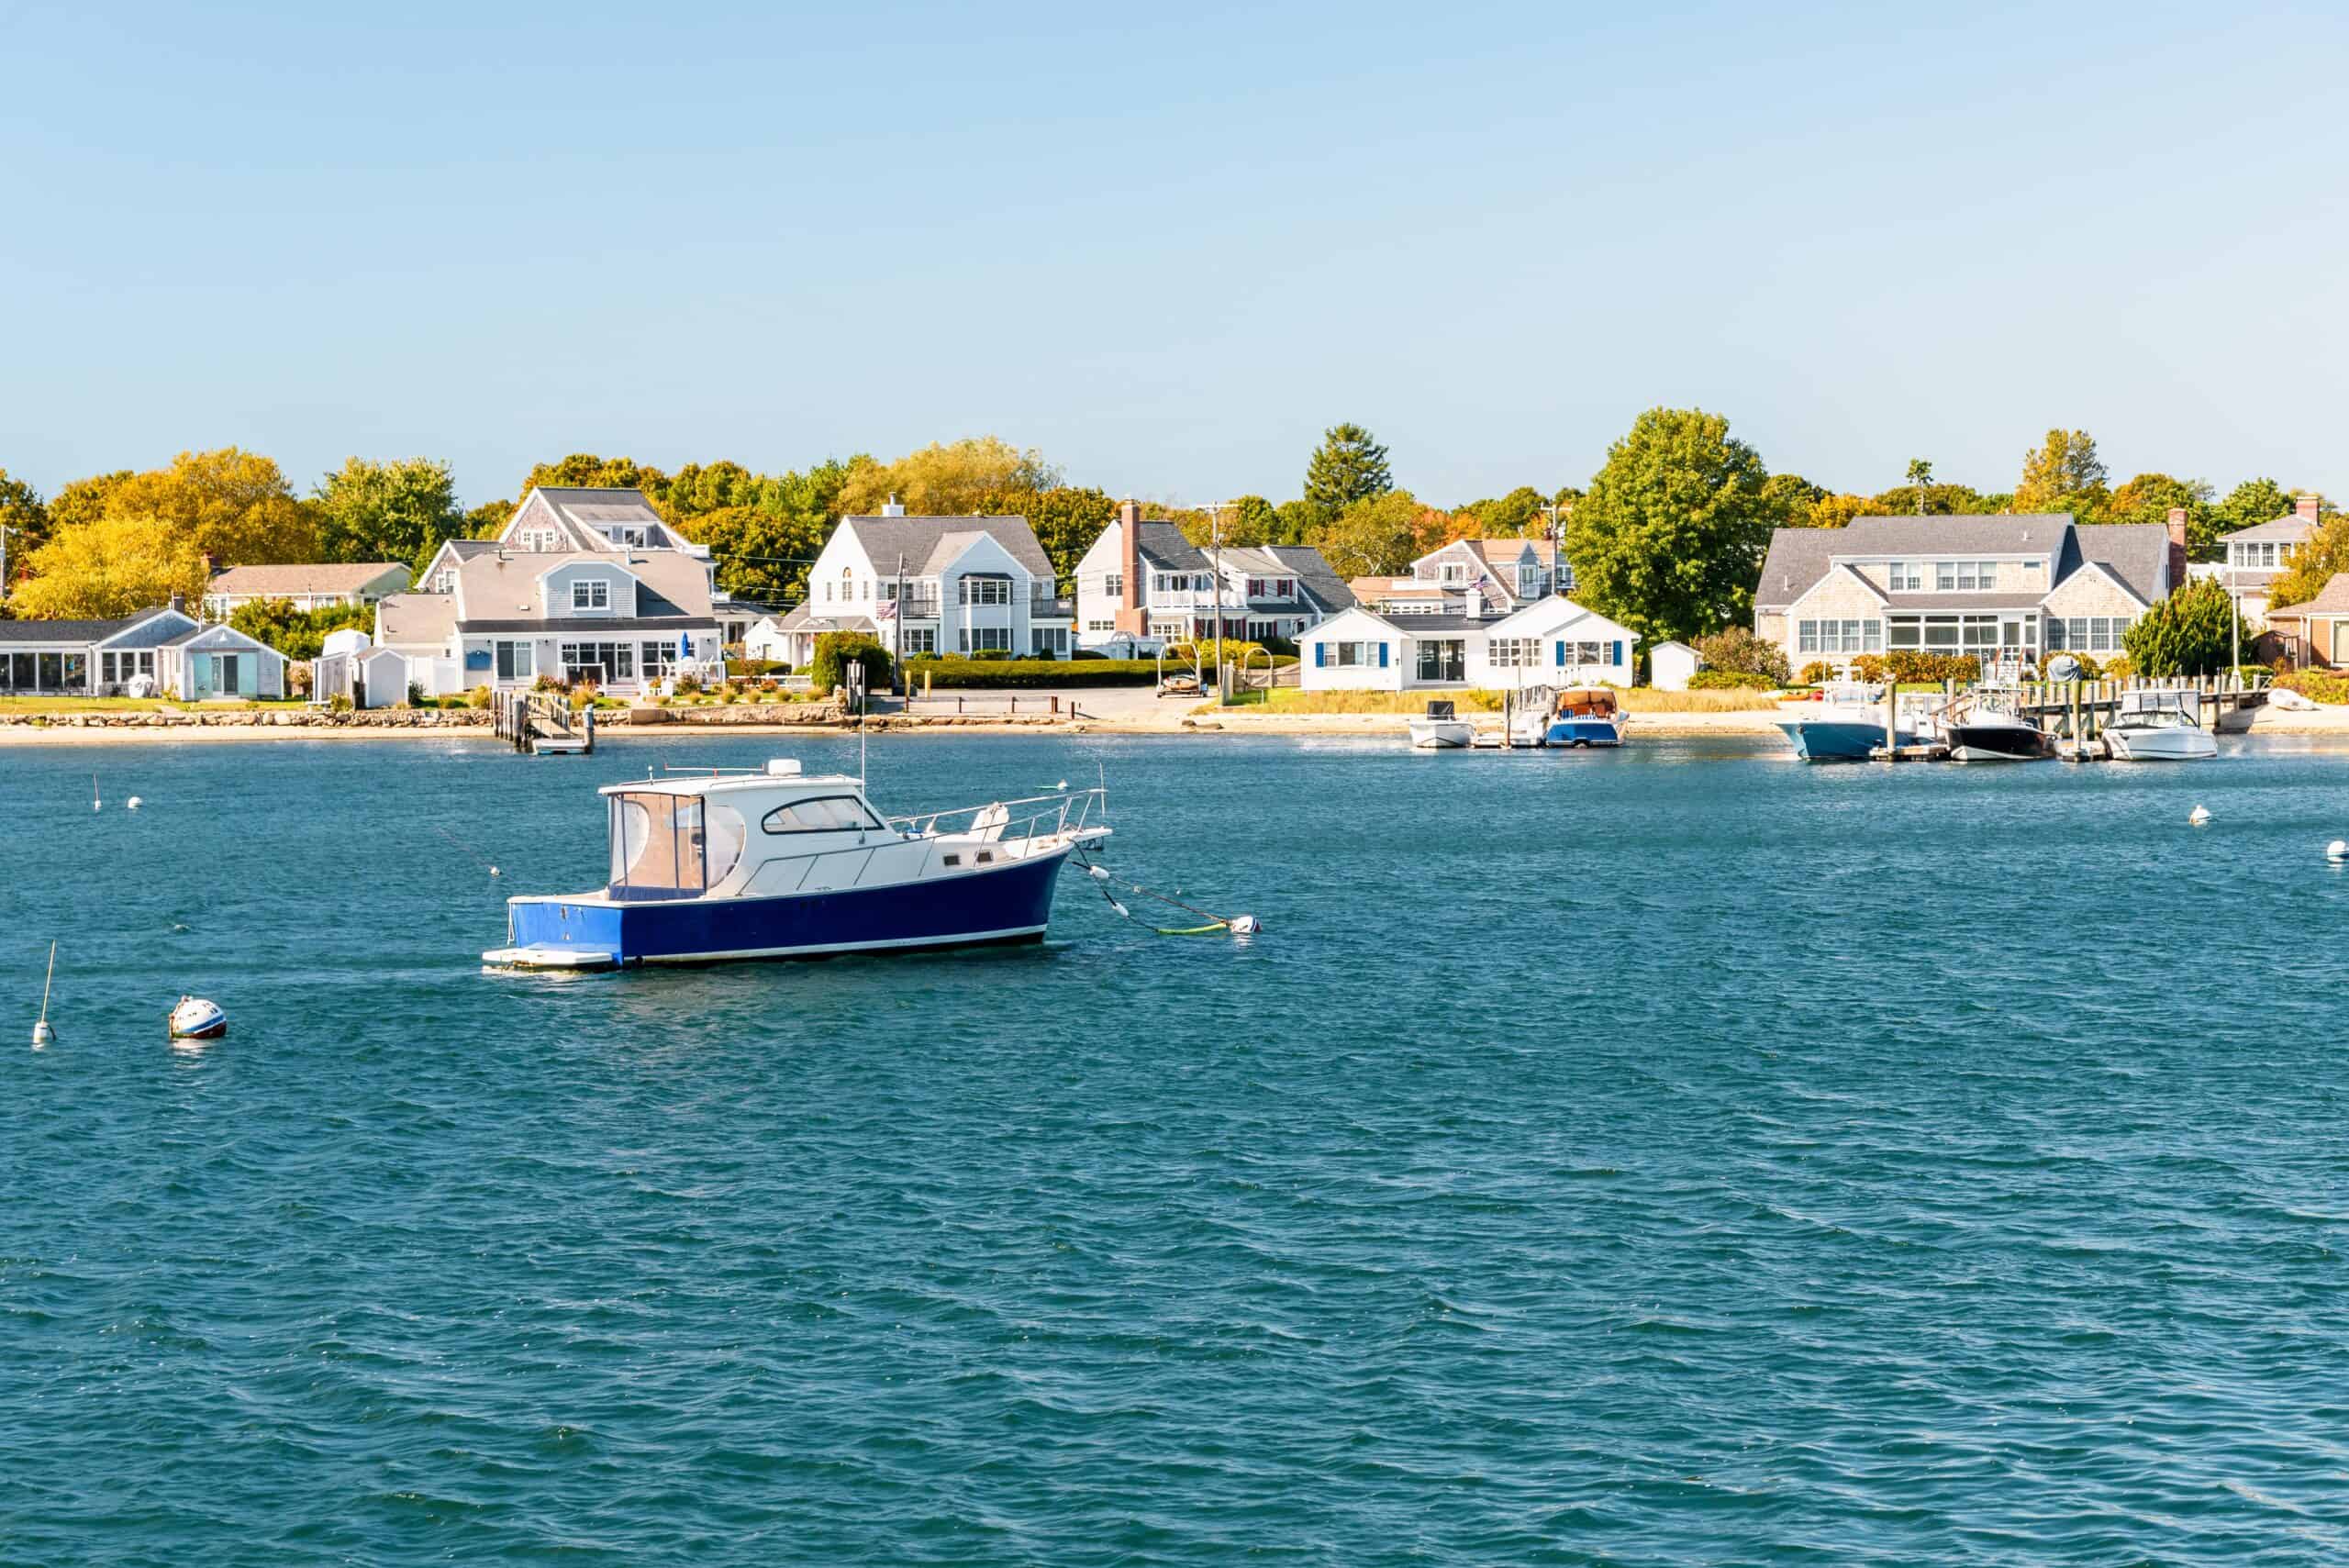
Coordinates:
[2134,552]
[30,631]
[1798,557]
[916,539]
[2289,528]
[316,577]
[1164,546]
[2330,599]
[1320,580]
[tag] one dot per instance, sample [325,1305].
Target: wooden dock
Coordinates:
[2075,714]
[542,724]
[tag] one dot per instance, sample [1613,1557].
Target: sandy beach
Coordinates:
[1099,711]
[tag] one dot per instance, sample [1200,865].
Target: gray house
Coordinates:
[169,647]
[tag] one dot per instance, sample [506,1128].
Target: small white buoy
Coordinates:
[2199,815]
[2337,850]
[1098,873]
[493,870]
[131,805]
[1245,925]
[196,1018]
[43,1035]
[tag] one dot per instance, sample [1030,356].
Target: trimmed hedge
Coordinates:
[1732,680]
[950,674]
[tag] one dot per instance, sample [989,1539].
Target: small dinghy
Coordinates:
[196,1019]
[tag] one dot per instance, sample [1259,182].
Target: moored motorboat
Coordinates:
[1845,738]
[194,1018]
[1438,730]
[1847,725]
[2155,726]
[742,863]
[1997,738]
[1585,716]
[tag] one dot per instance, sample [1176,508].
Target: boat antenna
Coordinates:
[42,1033]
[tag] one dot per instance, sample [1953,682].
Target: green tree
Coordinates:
[1518,513]
[1669,540]
[26,516]
[1296,522]
[2248,505]
[1920,479]
[946,480]
[1737,651]
[118,564]
[488,519]
[763,551]
[2193,632]
[1349,466]
[229,503]
[2064,475]
[1375,537]
[297,634]
[84,500]
[1796,499]
[2309,567]
[1067,520]
[835,650]
[2148,498]
[1928,500]
[588,471]
[399,510]
[698,488]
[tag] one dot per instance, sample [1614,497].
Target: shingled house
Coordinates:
[2004,587]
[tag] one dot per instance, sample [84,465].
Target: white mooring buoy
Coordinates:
[42,1033]
[2199,815]
[1245,925]
[2337,850]
[131,805]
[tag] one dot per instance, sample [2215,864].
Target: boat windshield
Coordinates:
[657,845]
[2154,718]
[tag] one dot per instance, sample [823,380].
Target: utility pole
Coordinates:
[1555,531]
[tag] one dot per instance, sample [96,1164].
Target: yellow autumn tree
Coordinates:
[947,480]
[117,565]
[232,505]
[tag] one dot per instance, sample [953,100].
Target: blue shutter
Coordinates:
[1561,656]
[1320,655]
[1382,656]
[1616,656]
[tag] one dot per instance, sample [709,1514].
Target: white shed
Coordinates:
[766,639]
[1670,664]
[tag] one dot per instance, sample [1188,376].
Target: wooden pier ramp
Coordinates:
[542,724]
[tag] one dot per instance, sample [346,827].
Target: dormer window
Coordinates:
[1906,577]
[1455,573]
[444,582]
[631,534]
[591,594]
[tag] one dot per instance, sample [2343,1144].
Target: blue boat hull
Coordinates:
[1011,904]
[1839,740]
[1582,732]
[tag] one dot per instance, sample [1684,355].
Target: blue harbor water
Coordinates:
[1674,1156]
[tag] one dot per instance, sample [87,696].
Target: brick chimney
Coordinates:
[2178,547]
[1131,618]
[2304,507]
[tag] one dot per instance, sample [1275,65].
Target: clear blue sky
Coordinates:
[1169,244]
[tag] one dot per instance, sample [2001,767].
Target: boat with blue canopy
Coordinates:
[719,864]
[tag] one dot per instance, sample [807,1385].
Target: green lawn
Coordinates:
[128,705]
